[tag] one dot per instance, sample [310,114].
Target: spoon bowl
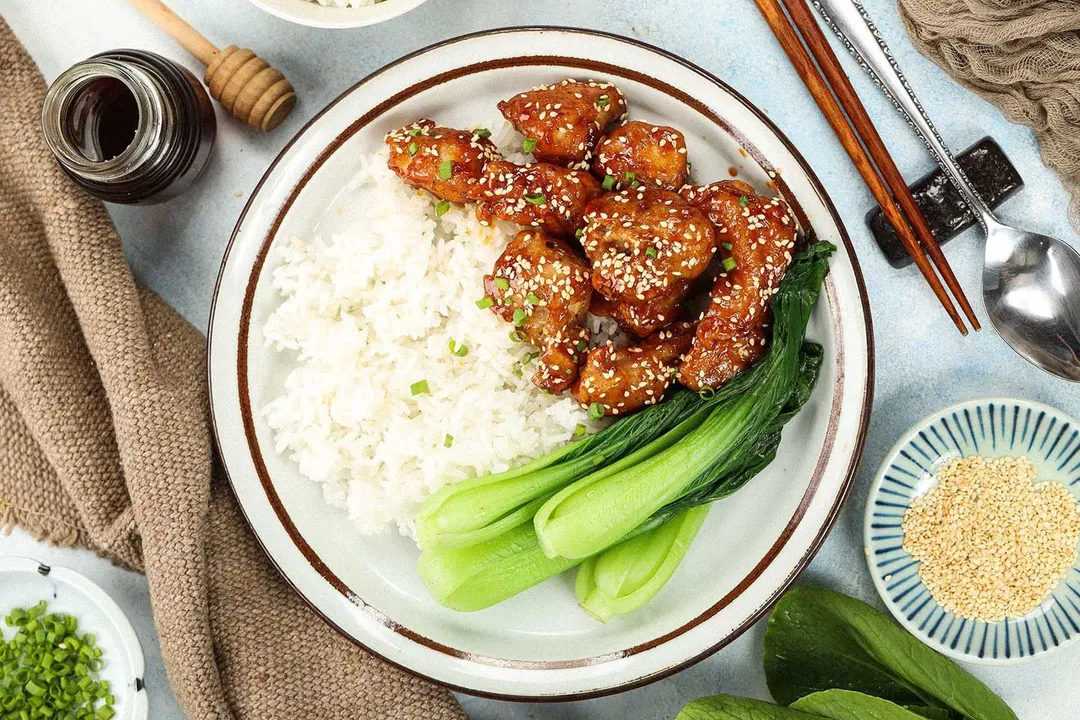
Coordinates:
[1031,287]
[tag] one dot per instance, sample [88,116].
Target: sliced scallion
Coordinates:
[517,336]
[529,145]
[730,264]
[415,131]
[484,303]
[458,349]
[442,208]
[420,387]
[413,147]
[502,283]
[579,430]
[536,198]
[446,169]
[609,182]
[597,411]
[520,316]
[531,297]
[651,252]
[448,440]
[743,201]
[482,132]
[726,246]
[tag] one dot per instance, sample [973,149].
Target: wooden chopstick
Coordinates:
[829,64]
[804,65]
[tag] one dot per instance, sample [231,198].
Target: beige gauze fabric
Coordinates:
[104,442]
[1021,55]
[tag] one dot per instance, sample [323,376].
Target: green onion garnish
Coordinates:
[579,430]
[579,232]
[49,670]
[651,252]
[415,131]
[726,246]
[484,303]
[730,264]
[531,297]
[706,392]
[609,182]
[629,176]
[420,387]
[517,336]
[529,357]
[413,147]
[596,411]
[744,201]
[446,169]
[536,198]
[442,208]
[448,440]
[529,144]
[482,132]
[603,101]
[502,283]
[520,316]
[461,350]
[581,345]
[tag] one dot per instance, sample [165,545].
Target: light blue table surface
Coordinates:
[922,362]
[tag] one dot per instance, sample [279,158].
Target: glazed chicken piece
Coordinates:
[758,235]
[548,197]
[628,379]
[646,248]
[541,285]
[565,120]
[641,154]
[447,163]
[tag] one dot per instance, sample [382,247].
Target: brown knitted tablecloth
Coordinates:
[104,443]
[1021,55]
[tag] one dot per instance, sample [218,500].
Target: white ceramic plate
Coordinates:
[539,644]
[309,12]
[25,582]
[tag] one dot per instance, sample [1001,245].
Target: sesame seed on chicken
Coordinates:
[565,120]
[541,285]
[646,247]
[641,154]
[446,162]
[541,195]
[756,236]
[625,380]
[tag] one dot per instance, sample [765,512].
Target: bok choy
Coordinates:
[600,509]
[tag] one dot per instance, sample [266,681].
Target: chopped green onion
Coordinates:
[726,246]
[461,350]
[536,198]
[651,252]
[442,208]
[529,357]
[520,316]
[446,169]
[579,430]
[448,440]
[597,411]
[603,101]
[517,336]
[415,131]
[502,283]
[730,264]
[581,345]
[420,387]
[482,132]
[484,303]
[531,297]
[413,147]
[629,177]
[609,182]
[529,144]
[706,392]
[744,201]
[579,232]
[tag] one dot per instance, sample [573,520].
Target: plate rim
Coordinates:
[875,488]
[865,403]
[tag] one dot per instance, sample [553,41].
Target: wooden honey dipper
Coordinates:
[240,80]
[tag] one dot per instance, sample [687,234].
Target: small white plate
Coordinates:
[308,12]
[994,427]
[25,582]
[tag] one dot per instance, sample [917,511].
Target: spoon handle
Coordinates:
[851,23]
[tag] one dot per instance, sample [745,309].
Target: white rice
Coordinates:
[368,313]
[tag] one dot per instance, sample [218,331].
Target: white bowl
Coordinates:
[538,644]
[308,12]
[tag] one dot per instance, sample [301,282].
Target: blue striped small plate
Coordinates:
[993,427]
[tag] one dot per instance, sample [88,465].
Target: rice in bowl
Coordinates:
[379,409]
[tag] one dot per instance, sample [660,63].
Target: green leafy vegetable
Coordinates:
[599,510]
[623,578]
[820,640]
[729,707]
[851,705]
[473,578]
[528,145]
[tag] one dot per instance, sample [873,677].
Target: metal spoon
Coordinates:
[1031,282]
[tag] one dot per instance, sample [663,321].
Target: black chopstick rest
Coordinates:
[989,170]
